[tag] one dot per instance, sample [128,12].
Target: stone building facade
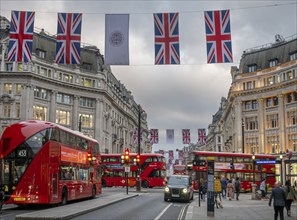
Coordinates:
[261,111]
[85,97]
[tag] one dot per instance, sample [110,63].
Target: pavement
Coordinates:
[243,209]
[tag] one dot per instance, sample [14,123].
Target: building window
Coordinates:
[252,68]
[87,66]
[41,53]
[40,93]
[254,104]
[62,117]
[293,56]
[273,101]
[292,118]
[18,89]
[68,78]
[87,82]
[20,67]
[272,63]
[6,110]
[269,102]
[9,67]
[7,88]
[86,120]
[252,123]
[249,85]
[272,121]
[63,98]
[17,110]
[86,102]
[39,113]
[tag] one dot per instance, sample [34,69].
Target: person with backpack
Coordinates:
[237,187]
[290,196]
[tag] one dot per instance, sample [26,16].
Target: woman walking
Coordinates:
[290,196]
[230,190]
[279,197]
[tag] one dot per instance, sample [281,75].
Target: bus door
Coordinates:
[54,190]
[7,178]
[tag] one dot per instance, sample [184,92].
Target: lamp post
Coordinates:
[242,131]
[253,158]
[281,167]
[140,113]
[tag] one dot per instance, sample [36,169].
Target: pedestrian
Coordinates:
[279,197]
[290,196]
[263,188]
[230,190]
[237,187]
[1,200]
[233,182]
[202,189]
[224,183]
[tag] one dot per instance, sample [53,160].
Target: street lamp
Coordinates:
[141,112]
[242,131]
[253,158]
[281,167]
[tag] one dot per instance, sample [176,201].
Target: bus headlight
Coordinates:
[185,190]
[166,189]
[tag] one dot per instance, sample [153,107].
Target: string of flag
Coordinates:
[186,136]
[166,29]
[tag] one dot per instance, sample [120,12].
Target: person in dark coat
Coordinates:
[279,197]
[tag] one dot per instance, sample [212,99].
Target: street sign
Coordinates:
[265,162]
[127,169]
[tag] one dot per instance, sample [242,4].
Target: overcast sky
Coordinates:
[181,96]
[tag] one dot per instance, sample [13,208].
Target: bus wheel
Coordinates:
[94,192]
[64,196]
[103,183]
[145,184]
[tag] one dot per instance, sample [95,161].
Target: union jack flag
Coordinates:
[201,136]
[218,36]
[21,36]
[166,38]
[135,135]
[68,38]
[154,138]
[186,136]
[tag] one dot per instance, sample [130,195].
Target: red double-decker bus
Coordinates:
[45,163]
[152,170]
[179,169]
[232,165]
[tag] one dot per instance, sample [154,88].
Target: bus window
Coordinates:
[54,135]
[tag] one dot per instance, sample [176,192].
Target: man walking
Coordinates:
[237,187]
[224,183]
[279,197]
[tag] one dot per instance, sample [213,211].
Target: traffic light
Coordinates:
[137,158]
[89,157]
[127,156]
[231,165]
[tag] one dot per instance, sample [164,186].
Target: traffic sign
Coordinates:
[127,169]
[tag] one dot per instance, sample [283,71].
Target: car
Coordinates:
[179,187]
